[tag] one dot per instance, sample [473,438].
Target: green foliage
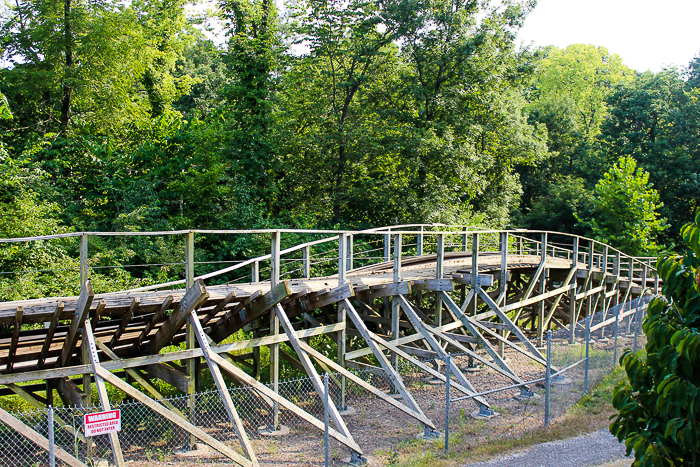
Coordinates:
[656,120]
[659,409]
[624,210]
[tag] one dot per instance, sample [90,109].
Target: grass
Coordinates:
[471,440]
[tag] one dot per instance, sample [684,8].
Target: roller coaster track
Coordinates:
[400,292]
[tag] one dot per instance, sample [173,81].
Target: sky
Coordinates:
[648,35]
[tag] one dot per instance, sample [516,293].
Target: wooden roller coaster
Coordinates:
[429,286]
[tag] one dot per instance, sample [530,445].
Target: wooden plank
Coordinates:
[37,439]
[125,322]
[445,285]
[15,339]
[181,422]
[252,311]
[590,292]
[81,311]
[170,375]
[485,280]
[194,297]
[151,324]
[49,335]
[385,290]
[538,298]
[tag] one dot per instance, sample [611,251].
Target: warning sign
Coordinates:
[101,423]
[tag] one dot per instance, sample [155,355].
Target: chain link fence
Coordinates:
[148,439]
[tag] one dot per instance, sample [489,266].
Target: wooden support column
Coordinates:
[275,328]
[439,274]
[572,294]
[344,263]
[475,270]
[395,304]
[306,260]
[190,340]
[503,285]
[543,285]
[419,242]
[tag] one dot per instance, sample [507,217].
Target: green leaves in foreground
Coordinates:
[660,407]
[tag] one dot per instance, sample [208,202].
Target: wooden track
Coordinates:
[66,342]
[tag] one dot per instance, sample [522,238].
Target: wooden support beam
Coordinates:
[194,297]
[411,406]
[434,285]
[484,280]
[223,390]
[95,320]
[252,311]
[49,335]
[136,375]
[318,300]
[125,322]
[15,339]
[69,392]
[428,337]
[102,393]
[151,324]
[81,311]
[170,375]
[512,326]
[470,325]
[36,438]
[385,290]
[176,419]
[311,371]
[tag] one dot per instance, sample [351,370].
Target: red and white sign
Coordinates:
[101,423]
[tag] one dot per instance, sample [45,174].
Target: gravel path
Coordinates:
[595,448]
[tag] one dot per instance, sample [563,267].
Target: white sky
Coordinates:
[647,34]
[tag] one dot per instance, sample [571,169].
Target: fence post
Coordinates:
[419,242]
[548,378]
[52,453]
[325,419]
[617,327]
[636,324]
[588,346]
[448,362]
[349,241]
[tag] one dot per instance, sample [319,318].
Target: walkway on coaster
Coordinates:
[496,288]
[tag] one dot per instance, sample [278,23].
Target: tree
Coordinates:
[624,213]
[658,409]
[656,120]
